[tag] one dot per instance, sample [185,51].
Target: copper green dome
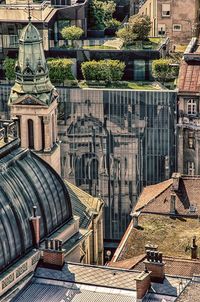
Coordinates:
[32,76]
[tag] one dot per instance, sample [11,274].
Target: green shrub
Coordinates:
[163,70]
[103,70]
[126,35]
[9,68]
[113,24]
[60,70]
[72,33]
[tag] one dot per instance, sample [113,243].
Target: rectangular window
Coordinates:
[191,140]
[191,168]
[139,70]
[176,27]
[166,10]
[191,107]
[161,29]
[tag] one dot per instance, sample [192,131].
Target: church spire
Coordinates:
[32,76]
[34,100]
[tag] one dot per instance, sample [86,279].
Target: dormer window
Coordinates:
[191,107]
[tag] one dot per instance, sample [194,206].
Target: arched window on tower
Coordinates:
[30,134]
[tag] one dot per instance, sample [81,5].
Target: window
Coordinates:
[165,10]
[190,168]
[30,134]
[161,29]
[191,107]
[191,140]
[139,70]
[176,27]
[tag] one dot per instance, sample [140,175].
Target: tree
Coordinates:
[137,28]
[141,26]
[163,70]
[60,70]
[126,34]
[9,68]
[100,12]
[72,33]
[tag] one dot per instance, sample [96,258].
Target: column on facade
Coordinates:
[37,134]
[47,133]
[24,131]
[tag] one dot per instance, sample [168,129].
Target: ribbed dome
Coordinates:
[25,181]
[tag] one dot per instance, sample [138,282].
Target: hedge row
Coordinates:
[103,70]
[60,70]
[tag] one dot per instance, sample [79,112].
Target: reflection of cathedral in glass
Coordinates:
[114,142]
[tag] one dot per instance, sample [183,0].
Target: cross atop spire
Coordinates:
[29,11]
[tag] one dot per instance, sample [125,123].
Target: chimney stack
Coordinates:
[173,203]
[35,227]
[143,283]
[154,263]
[176,178]
[135,217]
[194,249]
[54,254]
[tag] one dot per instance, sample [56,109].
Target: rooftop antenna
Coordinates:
[29,11]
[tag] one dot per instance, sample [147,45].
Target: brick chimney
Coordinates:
[172,203]
[35,227]
[154,263]
[176,178]
[143,283]
[54,254]
[194,249]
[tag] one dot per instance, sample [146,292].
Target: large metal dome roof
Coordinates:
[26,181]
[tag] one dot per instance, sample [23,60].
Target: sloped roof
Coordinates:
[151,192]
[175,266]
[83,204]
[191,293]
[172,235]
[156,198]
[189,77]
[26,181]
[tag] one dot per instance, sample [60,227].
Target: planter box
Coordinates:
[95,33]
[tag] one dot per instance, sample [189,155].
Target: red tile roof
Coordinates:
[189,77]
[156,198]
[173,266]
[172,235]
[190,294]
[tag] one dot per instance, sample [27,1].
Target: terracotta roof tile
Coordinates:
[189,77]
[190,294]
[156,198]
[172,235]
[128,263]
[173,266]
[151,192]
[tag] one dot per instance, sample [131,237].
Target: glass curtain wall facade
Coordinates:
[114,143]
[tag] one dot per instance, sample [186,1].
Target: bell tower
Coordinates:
[33,99]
